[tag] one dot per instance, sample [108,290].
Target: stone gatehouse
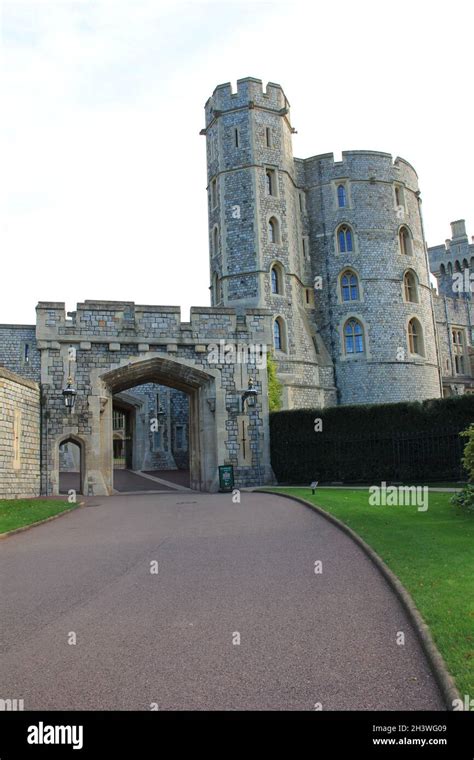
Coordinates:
[106,349]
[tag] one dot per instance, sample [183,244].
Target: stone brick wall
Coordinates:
[174,406]
[19,436]
[104,341]
[454,313]
[452,263]
[19,351]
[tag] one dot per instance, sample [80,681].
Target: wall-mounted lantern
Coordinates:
[69,395]
[250,395]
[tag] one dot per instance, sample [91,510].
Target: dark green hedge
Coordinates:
[369,443]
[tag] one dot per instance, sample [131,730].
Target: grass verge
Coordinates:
[16,513]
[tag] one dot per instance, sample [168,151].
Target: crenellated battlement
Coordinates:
[364,164]
[126,322]
[454,254]
[249,93]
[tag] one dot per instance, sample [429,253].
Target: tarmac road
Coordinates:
[170,638]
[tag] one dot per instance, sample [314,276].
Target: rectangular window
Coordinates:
[458,341]
[180,437]
[268,137]
[302,202]
[304,242]
[118,420]
[271,182]
[214,193]
[399,198]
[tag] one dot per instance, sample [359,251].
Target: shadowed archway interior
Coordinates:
[163,371]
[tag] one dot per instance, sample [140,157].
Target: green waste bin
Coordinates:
[226,478]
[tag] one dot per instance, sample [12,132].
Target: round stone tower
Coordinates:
[374,308]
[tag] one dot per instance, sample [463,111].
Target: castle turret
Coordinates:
[452,262]
[375,309]
[259,253]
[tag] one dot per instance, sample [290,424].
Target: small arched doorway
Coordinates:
[71,465]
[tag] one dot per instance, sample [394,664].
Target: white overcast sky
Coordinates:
[103,168]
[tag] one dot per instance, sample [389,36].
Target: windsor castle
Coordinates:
[323,262]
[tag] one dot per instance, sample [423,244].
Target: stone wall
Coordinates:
[19,352]
[19,436]
[454,314]
[174,411]
[143,345]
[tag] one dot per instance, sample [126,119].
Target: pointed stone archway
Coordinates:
[205,416]
[78,441]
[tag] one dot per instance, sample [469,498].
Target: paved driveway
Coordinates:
[168,638]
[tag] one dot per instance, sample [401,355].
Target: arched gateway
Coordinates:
[107,348]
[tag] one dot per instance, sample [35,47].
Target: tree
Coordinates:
[465,498]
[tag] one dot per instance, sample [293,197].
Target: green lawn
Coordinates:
[431,552]
[16,513]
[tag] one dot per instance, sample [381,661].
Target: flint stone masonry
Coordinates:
[312,365]
[19,436]
[452,263]
[106,369]
[132,352]
[19,351]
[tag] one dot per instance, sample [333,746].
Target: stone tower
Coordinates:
[375,308]
[258,231]
[334,249]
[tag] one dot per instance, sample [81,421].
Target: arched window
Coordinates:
[341,196]
[273,230]
[450,268]
[349,286]
[457,266]
[353,337]
[215,241]
[279,334]
[276,279]
[344,239]
[442,270]
[409,287]
[415,337]
[404,239]
[465,264]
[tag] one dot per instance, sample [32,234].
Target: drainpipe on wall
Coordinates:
[332,346]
